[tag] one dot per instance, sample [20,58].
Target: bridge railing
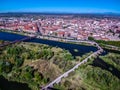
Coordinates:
[57,80]
[17,41]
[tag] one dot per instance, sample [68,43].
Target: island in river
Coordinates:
[37,64]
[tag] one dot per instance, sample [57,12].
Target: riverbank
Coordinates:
[71,47]
[112,59]
[35,64]
[110,45]
[44,59]
[46,37]
[14,32]
[94,75]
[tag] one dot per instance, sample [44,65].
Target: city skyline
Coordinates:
[60,45]
[62,6]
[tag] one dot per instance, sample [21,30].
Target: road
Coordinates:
[57,80]
[113,47]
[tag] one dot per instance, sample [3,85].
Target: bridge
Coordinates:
[57,80]
[17,41]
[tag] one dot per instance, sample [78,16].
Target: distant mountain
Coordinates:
[20,14]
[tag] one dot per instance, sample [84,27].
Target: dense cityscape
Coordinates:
[67,26]
[59,45]
[63,44]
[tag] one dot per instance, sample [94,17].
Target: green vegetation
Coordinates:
[88,77]
[39,64]
[110,45]
[114,43]
[102,42]
[12,66]
[91,38]
[112,59]
[34,64]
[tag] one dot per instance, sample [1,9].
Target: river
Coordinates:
[103,65]
[71,47]
[82,49]
[11,85]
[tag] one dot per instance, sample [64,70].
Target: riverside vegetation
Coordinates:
[112,59]
[39,64]
[107,44]
[88,77]
[35,64]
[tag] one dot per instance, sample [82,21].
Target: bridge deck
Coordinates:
[17,41]
[57,80]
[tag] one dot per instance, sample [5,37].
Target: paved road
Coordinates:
[57,80]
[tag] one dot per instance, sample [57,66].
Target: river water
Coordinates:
[103,65]
[11,37]
[10,85]
[71,47]
[81,51]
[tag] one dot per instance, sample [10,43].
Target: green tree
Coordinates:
[91,38]
[6,67]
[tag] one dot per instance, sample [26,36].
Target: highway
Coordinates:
[57,80]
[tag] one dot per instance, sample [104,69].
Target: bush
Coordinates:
[91,38]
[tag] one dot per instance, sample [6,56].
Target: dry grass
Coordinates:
[48,69]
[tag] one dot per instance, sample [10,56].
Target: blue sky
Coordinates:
[71,6]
